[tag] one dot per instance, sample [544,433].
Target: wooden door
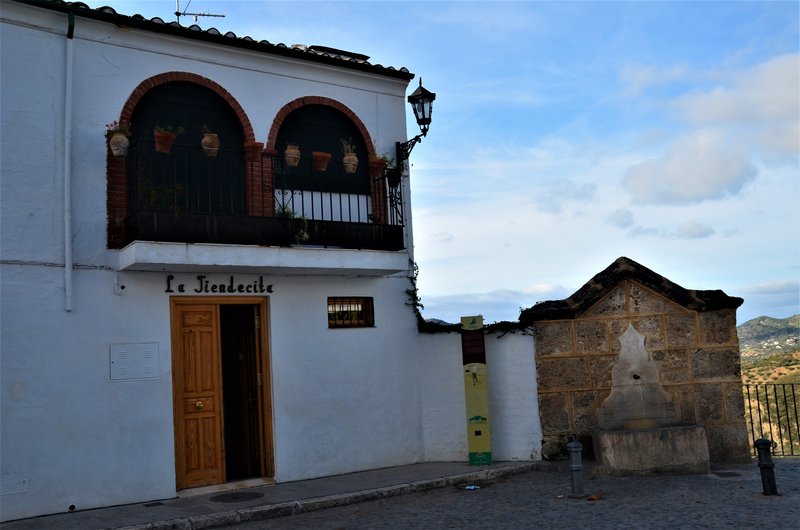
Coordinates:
[197,395]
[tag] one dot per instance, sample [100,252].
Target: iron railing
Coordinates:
[233,198]
[771,412]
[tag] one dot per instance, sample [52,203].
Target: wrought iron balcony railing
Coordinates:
[237,198]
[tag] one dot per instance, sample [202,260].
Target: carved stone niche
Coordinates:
[639,426]
[637,399]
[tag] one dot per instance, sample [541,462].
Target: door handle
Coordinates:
[199,405]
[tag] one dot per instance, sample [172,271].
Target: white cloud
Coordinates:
[498,304]
[555,194]
[441,237]
[763,93]
[638,78]
[621,218]
[643,231]
[777,299]
[747,113]
[698,166]
[760,105]
[694,230]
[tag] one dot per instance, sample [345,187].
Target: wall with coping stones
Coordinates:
[691,335]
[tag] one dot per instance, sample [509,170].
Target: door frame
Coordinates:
[263,355]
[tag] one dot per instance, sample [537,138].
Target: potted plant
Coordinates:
[319,160]
[291,155]
[284,212]
[349,160]
[302,235]
[209,142]
[391,170]
[117,134]
[165,136]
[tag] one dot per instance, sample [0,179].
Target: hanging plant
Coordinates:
[209,142]
[291,155]
[349,160]
[117,134]
[165,136]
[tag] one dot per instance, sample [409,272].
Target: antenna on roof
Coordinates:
[180,14]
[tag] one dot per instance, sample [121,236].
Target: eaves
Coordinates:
[157,25]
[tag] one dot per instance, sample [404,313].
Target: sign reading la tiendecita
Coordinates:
[201,284]
[473,354]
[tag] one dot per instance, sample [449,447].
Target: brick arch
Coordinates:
[317,100]
[171,77]
[378,190]
[116,171]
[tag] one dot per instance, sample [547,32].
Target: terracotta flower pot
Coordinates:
[210,143]
[320,160]
[291,156]
[350,162]
[118,143]
[164,141]
[393,176]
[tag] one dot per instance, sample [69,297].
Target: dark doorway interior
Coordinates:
[240,391]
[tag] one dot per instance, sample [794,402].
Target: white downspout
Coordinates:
[68,264]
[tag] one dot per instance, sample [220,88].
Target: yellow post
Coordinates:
[473,354]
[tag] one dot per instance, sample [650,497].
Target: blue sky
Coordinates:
[567,134]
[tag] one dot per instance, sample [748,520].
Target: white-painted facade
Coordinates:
[80,432]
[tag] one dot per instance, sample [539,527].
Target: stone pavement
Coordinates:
[727,498]
[433,495]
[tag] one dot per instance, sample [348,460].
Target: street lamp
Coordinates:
[421,101]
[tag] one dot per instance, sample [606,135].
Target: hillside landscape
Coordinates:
[770,350]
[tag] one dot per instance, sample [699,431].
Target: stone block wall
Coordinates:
[696,350]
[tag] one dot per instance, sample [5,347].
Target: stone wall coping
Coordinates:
[620,270]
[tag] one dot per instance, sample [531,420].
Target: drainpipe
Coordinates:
[68,264]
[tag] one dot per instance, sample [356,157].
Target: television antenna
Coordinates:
[179,13]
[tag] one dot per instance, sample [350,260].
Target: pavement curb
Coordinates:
[272,511]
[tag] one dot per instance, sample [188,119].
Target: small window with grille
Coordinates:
[350,312]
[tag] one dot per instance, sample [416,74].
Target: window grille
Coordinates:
[350,312]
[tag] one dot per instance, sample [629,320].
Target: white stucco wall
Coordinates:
[343,400]
[513,407]
[108,64]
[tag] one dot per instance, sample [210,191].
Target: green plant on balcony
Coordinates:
[302,234]
[284,212]
[152,196]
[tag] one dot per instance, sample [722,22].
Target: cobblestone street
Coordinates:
[728,498]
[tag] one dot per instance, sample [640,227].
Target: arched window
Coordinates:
[333,194]
[186,179]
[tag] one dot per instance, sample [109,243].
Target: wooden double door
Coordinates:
[221,390]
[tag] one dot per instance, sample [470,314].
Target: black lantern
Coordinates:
[421,101]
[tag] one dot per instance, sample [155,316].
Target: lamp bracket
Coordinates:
[404,148]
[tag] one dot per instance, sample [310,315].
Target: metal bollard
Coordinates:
[766,465]
[576,469]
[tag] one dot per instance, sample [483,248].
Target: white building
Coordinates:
[175,320]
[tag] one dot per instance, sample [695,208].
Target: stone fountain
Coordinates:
[640,431]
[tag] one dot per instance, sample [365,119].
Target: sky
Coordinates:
[568,134]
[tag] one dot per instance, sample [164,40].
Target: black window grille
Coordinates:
[351,312]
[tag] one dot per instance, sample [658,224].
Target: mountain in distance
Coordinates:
[770,349]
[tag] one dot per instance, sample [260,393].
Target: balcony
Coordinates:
[230,199]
